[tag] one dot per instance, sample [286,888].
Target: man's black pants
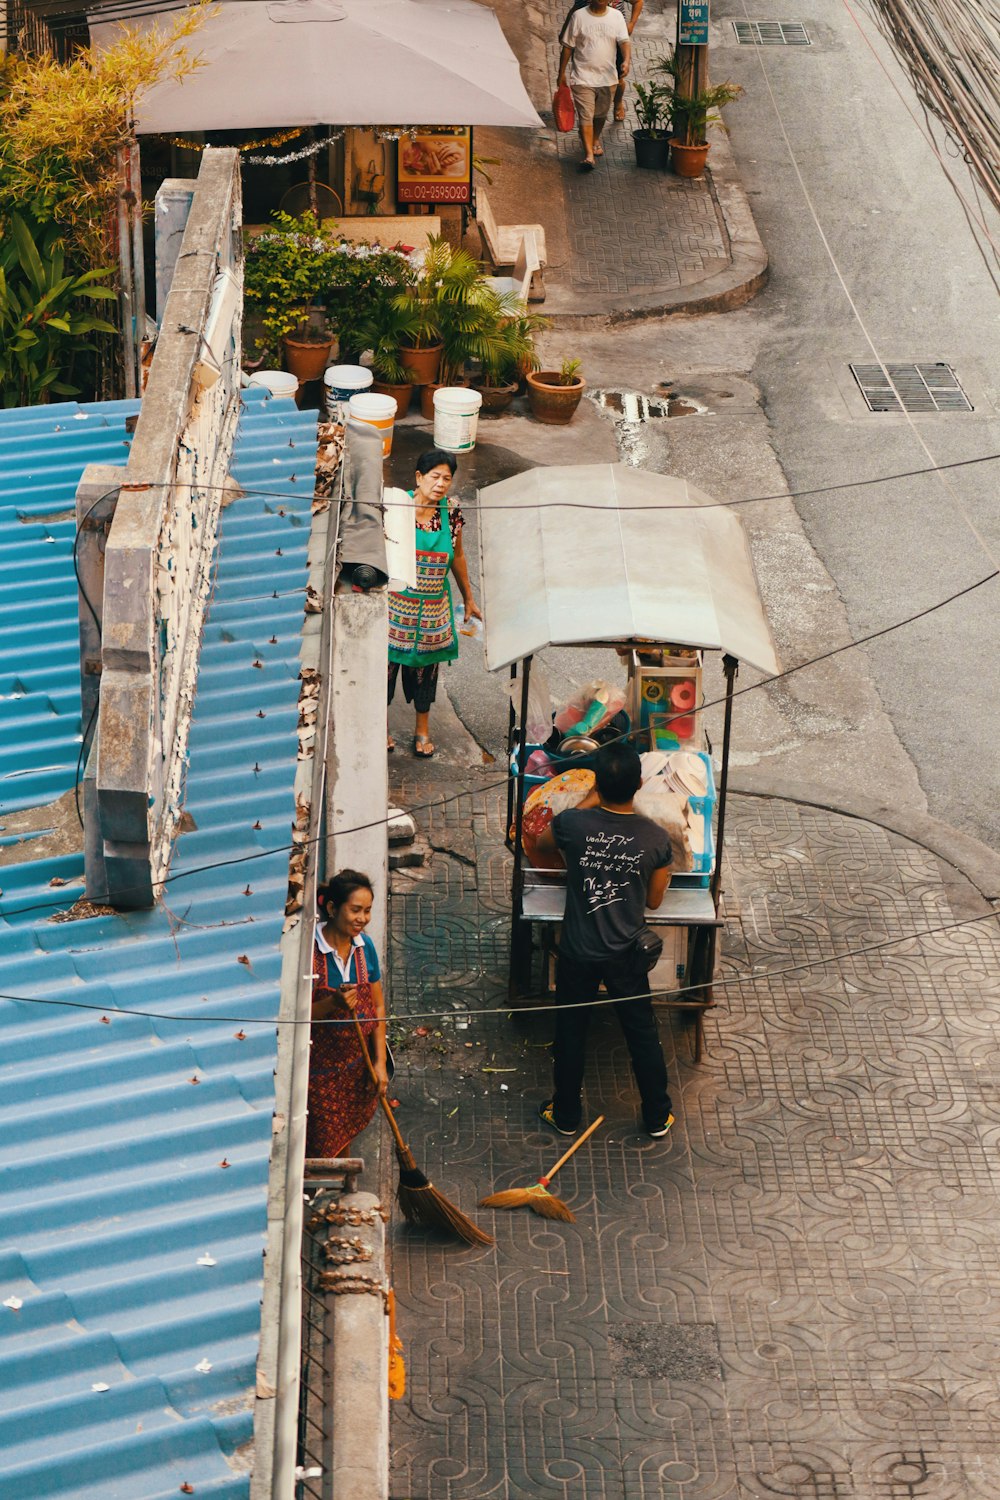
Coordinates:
[578,981]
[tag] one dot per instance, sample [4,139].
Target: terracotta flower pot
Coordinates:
[422,364]
[427,401]
[307,359]
[427,394]
[496,398]
[401,394]
[551,401]
[688,161]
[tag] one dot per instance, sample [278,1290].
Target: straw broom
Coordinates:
[538,1198]
[418,1198]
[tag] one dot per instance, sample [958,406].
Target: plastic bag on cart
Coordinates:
[538,724]
[593,706]
[654,800]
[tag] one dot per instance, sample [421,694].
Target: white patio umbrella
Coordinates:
[333,62]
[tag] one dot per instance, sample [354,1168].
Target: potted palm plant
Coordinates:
[454,305]
[652,139]
[448,280]
[388,322]
[511,356]
[692,114]
[555,394]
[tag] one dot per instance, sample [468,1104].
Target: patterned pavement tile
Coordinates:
[798,1293]
[631,230]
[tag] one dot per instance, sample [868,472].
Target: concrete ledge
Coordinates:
[976,861]
[742,279]
[356,1282]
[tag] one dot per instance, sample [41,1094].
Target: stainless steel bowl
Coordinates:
[578,744]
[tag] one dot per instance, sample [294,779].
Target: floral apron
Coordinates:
[342,1098]
[421,620]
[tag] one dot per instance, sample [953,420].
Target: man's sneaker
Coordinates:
[661,1130]
[545,1112]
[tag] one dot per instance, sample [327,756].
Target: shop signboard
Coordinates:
[435,165]
[692,23]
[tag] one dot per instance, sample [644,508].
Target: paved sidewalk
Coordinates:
[796,1294]
[622,242]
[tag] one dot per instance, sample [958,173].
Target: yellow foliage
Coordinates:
[61,123]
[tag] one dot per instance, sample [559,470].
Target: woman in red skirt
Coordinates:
[346,980]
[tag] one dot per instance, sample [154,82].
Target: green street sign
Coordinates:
[692,24]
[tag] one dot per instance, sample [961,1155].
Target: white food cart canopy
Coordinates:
[655,559]
[337,62]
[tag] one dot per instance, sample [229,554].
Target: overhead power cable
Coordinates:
[746,976]
[241,859]
[927,471]
[951,54]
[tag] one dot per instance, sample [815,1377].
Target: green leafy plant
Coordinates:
[61,126]
[356,276]
[477,329]
[448,283]
[44,319]
[480,163]
[693,114]
[652,108]
[569,372]
[514,353]
[285,272]
[386,325]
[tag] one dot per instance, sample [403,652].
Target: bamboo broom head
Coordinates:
[537,1198]
[421,1203]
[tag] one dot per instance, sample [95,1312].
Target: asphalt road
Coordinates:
[873,256]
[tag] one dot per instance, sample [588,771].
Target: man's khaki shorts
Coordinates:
[592,105]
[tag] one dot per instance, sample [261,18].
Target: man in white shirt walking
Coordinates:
[591,42]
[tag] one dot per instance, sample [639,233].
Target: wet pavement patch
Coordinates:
[636,406]
[676,1351]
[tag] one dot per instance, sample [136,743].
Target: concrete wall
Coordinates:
[158,556]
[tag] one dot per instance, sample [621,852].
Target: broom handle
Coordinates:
[387,1111]
[575,1147]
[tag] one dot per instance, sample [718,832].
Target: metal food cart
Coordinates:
[608,555]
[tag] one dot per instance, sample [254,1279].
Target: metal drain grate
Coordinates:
[771,34]
[911,388]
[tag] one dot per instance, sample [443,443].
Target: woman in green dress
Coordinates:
[421,620]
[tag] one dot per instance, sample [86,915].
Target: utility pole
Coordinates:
[692,47]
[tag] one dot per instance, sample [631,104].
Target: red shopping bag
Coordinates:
[562,108]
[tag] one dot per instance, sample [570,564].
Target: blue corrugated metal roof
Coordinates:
[43,452]
[111,1188]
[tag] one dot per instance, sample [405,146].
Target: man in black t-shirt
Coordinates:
[617,865]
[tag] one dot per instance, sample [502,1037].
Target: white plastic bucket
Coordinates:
[378,411]
[278,382]
[456,417]
[344,381]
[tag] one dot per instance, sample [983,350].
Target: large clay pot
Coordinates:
[497,398]
[688,161]
[427,401]
[308,358]
[423,364]
[401,394]
[551,401]
[651,152]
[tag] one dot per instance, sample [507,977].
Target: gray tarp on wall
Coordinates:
[362,536]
